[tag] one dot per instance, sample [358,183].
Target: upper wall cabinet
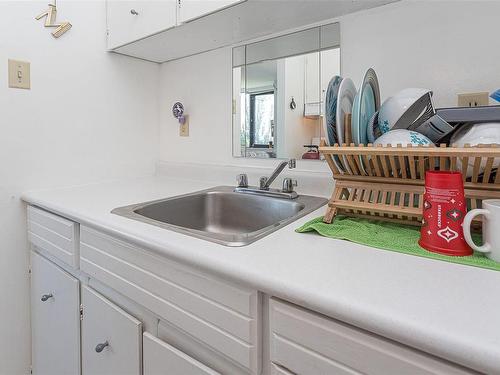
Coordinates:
[204,25]
[129,21]
[192,9]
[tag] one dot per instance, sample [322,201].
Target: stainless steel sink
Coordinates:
[222,215]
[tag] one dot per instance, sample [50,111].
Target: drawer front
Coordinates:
[308,343]
[56,235]
[55,319]
[223,316]
[158,356]
[111,338]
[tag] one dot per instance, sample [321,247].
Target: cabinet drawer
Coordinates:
[222,316]
[158,356]
[55,319]
[150,18]
[309,343]
[56,235]
[111,338]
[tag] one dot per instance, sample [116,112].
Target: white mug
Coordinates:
[491,228]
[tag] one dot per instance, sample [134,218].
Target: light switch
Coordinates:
[19,74]
[184,127]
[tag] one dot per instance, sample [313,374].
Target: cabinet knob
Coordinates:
[134,12]
[100,347]
[45,297]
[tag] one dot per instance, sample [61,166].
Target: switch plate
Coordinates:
[473,99]
[184,128]
[19,74]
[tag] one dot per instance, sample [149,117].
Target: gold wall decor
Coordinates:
[50,21]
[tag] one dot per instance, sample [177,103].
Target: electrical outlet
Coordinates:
[473,99]
[19,74]
[184,128]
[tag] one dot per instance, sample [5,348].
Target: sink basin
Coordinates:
[222,215]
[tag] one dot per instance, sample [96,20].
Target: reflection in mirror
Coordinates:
[279,87]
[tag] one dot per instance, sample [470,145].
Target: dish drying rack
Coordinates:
[387,182]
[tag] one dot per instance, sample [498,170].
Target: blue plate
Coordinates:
[331,110]
[362,112]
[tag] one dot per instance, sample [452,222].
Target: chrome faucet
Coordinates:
[265,183]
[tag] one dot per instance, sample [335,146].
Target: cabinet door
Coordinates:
[129,21]
[159,356]
[191,9]
[111,338]
[55,319]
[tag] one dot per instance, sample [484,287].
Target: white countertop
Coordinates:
[450,310]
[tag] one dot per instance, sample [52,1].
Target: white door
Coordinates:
[55,319]
[129,21]
[111,338]
[191,9]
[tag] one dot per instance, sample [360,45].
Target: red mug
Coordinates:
[444,209]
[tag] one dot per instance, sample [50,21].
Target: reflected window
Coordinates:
[262,119]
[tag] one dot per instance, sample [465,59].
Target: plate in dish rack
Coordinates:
[329,122]
[347,93]
[331,135]
[366,104]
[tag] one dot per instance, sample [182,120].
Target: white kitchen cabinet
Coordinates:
[158,356]
[55,319]
[191,9]
[111,338]
[232,22]
[221,315]
[128,21]
[304,342]
[311,77]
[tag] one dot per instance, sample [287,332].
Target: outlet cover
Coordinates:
[184,128]
[19,74]
[473,99]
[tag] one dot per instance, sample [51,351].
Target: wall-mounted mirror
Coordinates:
[279,87]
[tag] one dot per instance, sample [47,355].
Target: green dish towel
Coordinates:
[389,236]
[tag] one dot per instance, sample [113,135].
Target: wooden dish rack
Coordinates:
[387,183]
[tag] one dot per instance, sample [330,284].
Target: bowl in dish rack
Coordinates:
[403,137]
[476,134]
[394,107]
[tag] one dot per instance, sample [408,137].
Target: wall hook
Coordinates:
[293,105]
[178,112]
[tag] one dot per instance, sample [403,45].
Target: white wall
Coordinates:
[89,116]
[448,46]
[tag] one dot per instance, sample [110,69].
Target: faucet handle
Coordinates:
[288,185]
[292,163]
[242,180]
[263,182]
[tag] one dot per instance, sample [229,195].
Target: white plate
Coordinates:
[345,100]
